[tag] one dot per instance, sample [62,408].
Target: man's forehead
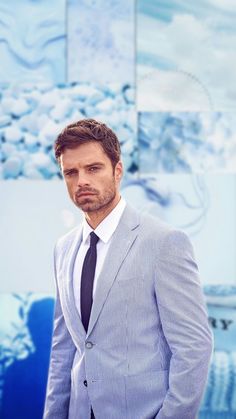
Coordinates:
[85,148]
[83,155]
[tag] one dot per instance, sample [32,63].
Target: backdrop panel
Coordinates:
[33,41]
[101,41]
[186,55]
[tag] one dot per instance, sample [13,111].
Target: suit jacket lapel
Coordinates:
[122,241]
[68,287]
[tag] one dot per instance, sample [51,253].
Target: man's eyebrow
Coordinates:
[69,169]
[94,164]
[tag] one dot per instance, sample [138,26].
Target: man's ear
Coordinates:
[118,171]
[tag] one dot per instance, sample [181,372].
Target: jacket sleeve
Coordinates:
[61,360]
[184,321]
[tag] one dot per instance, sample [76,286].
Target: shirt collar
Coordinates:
[107,227]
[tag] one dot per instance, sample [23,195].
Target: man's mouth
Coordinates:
[84,194]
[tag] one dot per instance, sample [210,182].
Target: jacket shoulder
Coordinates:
[154,225]
[65,241]
[164,235]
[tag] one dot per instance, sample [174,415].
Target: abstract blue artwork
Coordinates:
[219,400]
[101,41]
[32,41]
[29,209]
[186,55]
[184,142]
[32,115]
[25,349]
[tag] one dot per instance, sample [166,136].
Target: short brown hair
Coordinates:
[86,130]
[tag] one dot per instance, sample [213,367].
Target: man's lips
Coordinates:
[79,195]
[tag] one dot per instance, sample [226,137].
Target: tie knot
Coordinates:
[93,239]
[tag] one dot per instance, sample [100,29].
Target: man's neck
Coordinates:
[94,218]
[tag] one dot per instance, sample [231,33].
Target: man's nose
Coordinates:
[82,180]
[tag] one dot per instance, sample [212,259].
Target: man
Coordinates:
[131,336]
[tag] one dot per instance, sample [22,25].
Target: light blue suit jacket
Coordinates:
[148,345]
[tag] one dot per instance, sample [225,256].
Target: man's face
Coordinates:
[92,183]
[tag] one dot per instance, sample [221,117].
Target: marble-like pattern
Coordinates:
[31,116]
[186,55]
[219,401]
[33,41]
[101,41]
[15,341]
[184,142]
[25,340]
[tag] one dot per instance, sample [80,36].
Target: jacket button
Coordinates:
[89,345]
[85,383]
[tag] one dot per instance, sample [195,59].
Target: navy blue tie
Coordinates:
[87,278]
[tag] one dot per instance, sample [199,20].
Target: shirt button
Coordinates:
[85,383]
[89,345]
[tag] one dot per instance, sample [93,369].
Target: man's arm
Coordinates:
[185,325]
[59,377]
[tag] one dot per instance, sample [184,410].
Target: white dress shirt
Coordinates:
[104,231]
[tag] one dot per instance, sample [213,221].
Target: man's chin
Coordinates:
[86,206]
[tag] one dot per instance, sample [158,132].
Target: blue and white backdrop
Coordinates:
[161,74]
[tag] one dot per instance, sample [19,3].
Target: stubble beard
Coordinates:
[98,202]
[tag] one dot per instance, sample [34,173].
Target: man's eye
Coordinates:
[93,169]
[68,174]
